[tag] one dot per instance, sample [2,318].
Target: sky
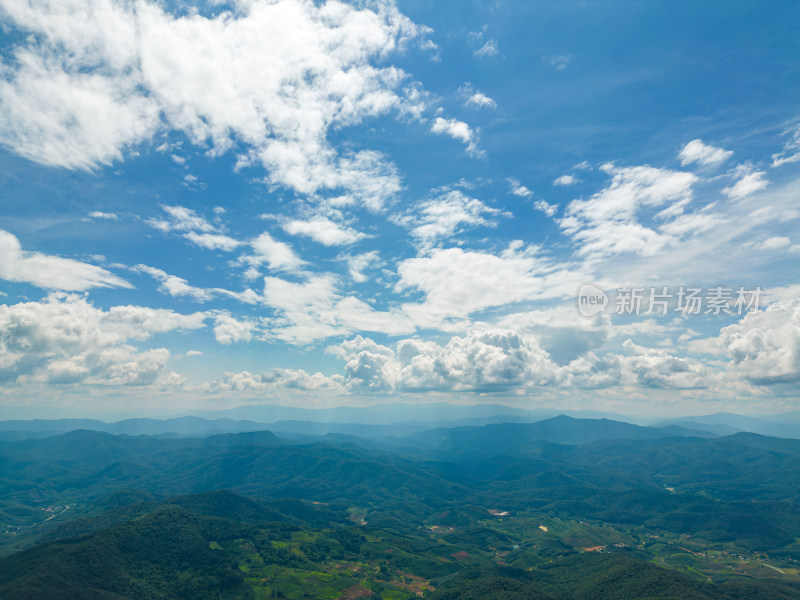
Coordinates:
[584,205]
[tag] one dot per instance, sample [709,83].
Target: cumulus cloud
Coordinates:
[445,216]
[645,367]
[51,272]
[296,379]
[494,359]
[656,367]
[481,100]
[368,365]
[476,98]
[93,79]
[66,339]
[698,152]
[481,360]
[457,130]
[765,345]
[324,231]
[228,329]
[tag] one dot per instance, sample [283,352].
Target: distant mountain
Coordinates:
[725,423]
[379,422]
[741,488]
[520,438]
[177,426]
[382,414]
[54,425]
[716,428]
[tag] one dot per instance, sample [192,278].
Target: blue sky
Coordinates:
[317,204]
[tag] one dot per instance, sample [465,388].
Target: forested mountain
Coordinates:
[652,508]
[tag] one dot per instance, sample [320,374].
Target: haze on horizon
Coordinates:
[327,204]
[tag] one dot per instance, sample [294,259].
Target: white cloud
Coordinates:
[176,286]
[558,61]
[358,263]
[63,118]
[315,309]
[65,339]
[457,283]
[457,130]
[696,222]
[749,183]
[96,214]
[549,209]
[369,365]
[791,149]
[51,272]
[172,379]
[180,218]
[481,101]
[296,379]
[495,358]
[487,359]
[566,180]
[324,231]
[641,367]
[94,78]
[366,177]
[658,368]
[489,48]
[446,216]
[518,189]
[608,222]
[213,241]
[267,250]
[475,98]
[765,345]
[228,330]
[698,152]
[775,243]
